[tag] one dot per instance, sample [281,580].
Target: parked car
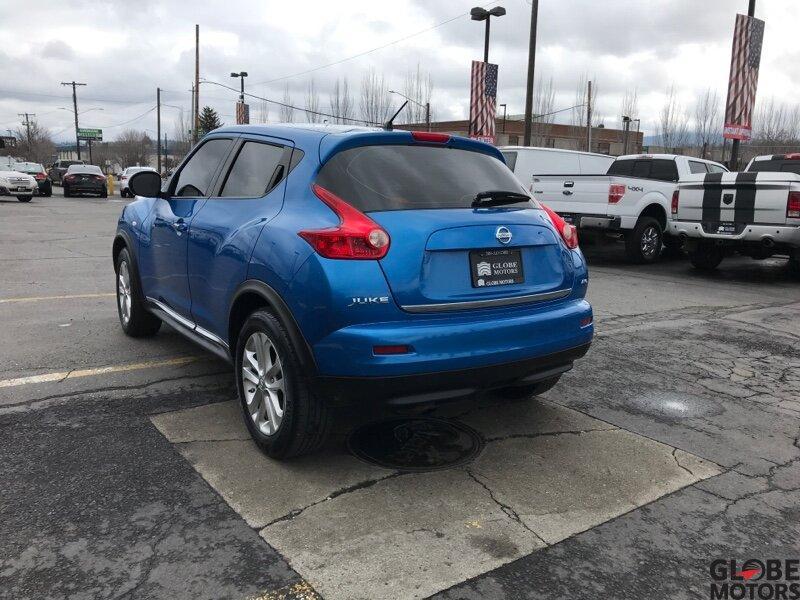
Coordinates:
[781,163]
[755,213]
[38,172]
[125,177]
[16,183]
[59,168]
[529,161]
[84,179]
[333,265]
[631,201]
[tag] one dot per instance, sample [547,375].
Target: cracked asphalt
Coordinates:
[674,442]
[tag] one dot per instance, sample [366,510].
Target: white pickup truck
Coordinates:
[631,200]
[754,212]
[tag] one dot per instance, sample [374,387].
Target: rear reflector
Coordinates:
[430,137]
[793,205]
[357,236]
[568,232]
[792,156]
[386,350]
[615,192]
[586,321]
[675,199]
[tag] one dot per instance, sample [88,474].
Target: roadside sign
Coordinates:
[8,141]
[94,135]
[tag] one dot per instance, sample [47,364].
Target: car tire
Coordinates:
[706,257]
[518,392]
[279,408]
[673,245]
[67,193]
[135,319]
[104,194]
[24,198]
[643,243]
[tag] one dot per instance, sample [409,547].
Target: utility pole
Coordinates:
[27,124]
[589,117]
[428,115]
[531,65]
[75,108]
[751,12]
[626,120]
[196,127]
[158,129]
[166,154]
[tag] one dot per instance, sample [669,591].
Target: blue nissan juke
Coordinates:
[336,264]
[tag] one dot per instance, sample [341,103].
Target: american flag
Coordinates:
[482,101]
[748,36]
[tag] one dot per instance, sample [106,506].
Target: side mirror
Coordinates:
[145,183]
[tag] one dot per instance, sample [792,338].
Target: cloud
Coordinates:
[57,49]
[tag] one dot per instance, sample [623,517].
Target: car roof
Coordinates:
[327,139]
[787,156]
[28,165]
[559,150]
[86,168]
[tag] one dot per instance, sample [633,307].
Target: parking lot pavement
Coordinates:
[127,473]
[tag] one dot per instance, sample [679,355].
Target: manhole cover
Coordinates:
[416,444]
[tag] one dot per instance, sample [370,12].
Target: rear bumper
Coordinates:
[778,235]
[86,189]
[593,222]
[446,385]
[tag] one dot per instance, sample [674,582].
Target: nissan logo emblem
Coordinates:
[503,235]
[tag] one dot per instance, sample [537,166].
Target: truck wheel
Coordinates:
[643,243]
[281,412]
[135,319]
[706,257]
[24,198]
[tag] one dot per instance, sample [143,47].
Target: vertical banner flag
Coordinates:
[482,101]
[748,35]
[242,113]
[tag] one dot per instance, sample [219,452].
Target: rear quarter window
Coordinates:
[511,159]
[663,170]
[398,177]
[623,168]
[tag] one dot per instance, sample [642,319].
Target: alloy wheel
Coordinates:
[263,383]
[649,241]
[124,296]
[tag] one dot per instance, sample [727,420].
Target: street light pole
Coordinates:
[531,67]
[241,75]
[504,118]
[75,108]
[481,14]
[158,129]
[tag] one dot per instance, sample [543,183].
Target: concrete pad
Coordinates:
[405,537]
[776,318]
[212,422]
[561,485]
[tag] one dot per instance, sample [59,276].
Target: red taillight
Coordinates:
[792,156]
[356,237]
[40,176]
[615,192]
[69,177]
[430,137]
[674,207]
[98,177]
[391,349]
[793,206]
[569,233]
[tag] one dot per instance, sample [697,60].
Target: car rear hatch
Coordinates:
[724,203]
[446,254]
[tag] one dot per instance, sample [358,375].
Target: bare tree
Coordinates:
[630,104]
[375,99]
[543,102]
[286,112]
[263,111]
[419,87]
[182,138]
[579,108]
[707,122]
[312,103]
[38,148]
[341,102]
[132,148]
[673,123]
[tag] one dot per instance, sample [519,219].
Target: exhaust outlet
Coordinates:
[767,242]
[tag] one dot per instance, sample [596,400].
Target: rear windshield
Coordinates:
[413,177]
[90,169]
[781,165]
[648,168]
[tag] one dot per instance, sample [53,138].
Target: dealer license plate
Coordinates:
[495,267]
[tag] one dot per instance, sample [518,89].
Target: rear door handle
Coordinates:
[569,183]
[180,225]
[567,193]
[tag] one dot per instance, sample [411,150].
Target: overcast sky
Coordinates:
[123,50]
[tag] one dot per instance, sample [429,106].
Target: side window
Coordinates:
[697,167]
[621,167]
[641,168]
[511,159]
[254,171]
[196,175]
[712,168]
[664,170]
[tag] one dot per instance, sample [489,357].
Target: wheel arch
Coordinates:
[253,295]
[656,211]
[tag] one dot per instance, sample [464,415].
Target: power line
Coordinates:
[314,112]
[360,54]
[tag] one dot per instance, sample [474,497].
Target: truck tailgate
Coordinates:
[735,199]
[573,194]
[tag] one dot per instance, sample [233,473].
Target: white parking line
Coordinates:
[64,375]
[66,297]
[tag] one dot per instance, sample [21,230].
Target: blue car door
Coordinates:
[223,233]
[163,253]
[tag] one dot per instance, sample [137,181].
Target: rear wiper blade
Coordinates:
[498,198]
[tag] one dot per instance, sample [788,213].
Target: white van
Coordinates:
[526,162]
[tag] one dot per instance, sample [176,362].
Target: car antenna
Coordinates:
[388,125]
